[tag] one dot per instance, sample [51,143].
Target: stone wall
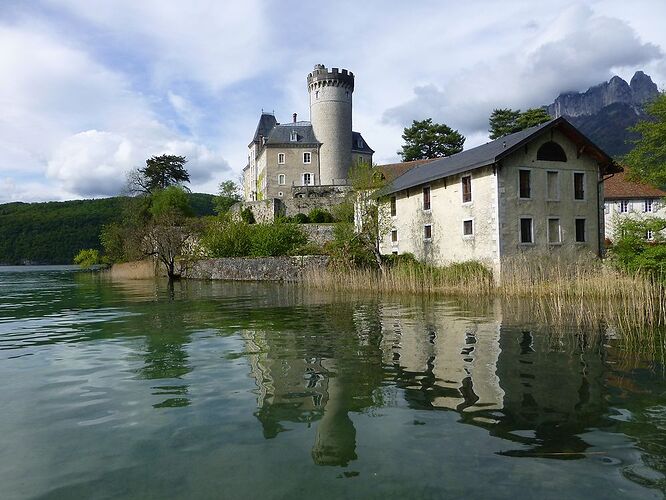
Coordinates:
[319,234]
[253,269]
[263,211]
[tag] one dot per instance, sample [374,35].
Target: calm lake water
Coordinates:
[217,390]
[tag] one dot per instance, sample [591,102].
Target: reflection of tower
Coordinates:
[331,118]
[336,435]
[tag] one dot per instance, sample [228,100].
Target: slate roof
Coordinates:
[266,123]
[355,141]
[493,152]
[281,134]
[619,187]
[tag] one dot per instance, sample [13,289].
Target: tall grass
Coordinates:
[580,292]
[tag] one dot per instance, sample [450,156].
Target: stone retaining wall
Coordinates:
[253,269]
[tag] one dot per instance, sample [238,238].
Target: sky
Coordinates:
[91,88]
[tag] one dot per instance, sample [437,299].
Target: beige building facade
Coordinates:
[540,189]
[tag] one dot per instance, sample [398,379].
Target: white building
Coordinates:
[626,199]
[538,189]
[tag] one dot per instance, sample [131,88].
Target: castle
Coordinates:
[307,159]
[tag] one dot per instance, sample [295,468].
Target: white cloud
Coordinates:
[578,49]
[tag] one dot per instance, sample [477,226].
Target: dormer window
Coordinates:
[294,136]
[360,143]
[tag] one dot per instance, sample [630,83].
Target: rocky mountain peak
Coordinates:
[616,90]
[643,87]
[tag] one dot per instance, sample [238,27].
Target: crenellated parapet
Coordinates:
[322,77]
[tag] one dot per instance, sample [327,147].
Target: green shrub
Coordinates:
[247,215]
[301,218]
[320,216]
[270,240]
[633,253]
[227,237]
[87,258]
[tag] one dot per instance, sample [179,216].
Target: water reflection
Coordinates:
[257,370]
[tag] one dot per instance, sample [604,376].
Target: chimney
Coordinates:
[294,115]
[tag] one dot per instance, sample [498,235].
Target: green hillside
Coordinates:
[53,232]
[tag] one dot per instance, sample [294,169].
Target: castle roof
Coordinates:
[266,123]
[619,187]
[281,134]
[493,152]
[359,145]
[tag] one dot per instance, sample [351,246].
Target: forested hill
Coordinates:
[53,232]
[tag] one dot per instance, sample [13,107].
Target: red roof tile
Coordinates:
[619,186]
[393,170]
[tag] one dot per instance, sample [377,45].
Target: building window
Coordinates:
[293,137]
[524,188]
[648,206]
[394,207]
[426,198]
[624,206]
[468,227]
[280,193]
[427,231]
[466,188]
[581,237]
[282,179]
[526,233]
[307,179]
[579,186]
[307,158]
[554,231]
[281,158]
[553,182]
[394,236]
[649,235]
[551,151]
[359,143]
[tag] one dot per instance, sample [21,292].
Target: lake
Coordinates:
[139,390]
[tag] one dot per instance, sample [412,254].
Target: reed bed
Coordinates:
[575,292]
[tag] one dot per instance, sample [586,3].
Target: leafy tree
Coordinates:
[170,200]
[647,161]
[160,172]
[361,222]
[228,195]
[532,117]
[633,252]
[505,121]
[87,258]
[425,139]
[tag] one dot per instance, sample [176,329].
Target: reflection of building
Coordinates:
[445,360]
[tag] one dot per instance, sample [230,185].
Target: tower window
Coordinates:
[281,179]
[394,236]
[307,157]
[281,158]
[316,94]
[394,208]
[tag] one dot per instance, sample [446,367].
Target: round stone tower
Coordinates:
[331,118]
